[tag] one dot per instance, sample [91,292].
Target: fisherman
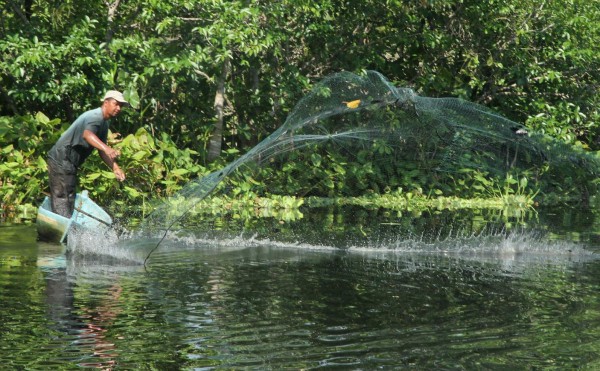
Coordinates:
[89,131]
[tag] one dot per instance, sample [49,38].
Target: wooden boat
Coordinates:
[86,215]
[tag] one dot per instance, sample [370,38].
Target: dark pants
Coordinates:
[63,181]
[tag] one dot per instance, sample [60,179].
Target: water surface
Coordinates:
[457,301]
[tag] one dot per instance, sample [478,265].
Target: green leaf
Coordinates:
[40,117]
[132,192]
[179,172]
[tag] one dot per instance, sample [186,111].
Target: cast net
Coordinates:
[358,133]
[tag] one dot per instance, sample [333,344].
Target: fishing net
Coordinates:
[359,133]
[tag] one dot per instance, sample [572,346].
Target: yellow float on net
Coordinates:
[352,104]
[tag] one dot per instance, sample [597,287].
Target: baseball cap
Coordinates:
[116,95]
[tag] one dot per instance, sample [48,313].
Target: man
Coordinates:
[89,131]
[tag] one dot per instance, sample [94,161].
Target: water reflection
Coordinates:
[58,294]
[344,308]
[84,323]
[214,299]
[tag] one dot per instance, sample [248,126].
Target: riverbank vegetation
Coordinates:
[209,80]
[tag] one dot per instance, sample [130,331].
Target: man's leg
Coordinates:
[62,189]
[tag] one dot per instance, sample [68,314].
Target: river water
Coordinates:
[439,291]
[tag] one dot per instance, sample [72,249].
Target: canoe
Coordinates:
[86,215]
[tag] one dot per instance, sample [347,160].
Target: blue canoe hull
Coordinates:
[86,215]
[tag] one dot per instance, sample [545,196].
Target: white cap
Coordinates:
[116,95]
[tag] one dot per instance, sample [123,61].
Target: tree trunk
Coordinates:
[112,10]
[216,139]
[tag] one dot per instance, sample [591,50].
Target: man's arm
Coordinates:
[95,142]
[109,155]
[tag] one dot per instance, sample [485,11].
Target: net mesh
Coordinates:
[390,134]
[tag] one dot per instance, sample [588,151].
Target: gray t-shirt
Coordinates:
[71,150]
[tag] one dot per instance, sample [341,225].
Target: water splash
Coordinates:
[91,243]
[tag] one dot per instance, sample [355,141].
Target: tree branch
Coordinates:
[19,12]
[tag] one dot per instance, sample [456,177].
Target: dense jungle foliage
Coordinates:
[210,79]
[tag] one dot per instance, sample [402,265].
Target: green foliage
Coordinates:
[22,160]
[534,62]
[154,168]
[530,61]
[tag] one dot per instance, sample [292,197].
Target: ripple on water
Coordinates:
[248,303]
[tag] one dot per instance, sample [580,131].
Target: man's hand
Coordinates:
[95,142]
[112,153]
[108,154]
[119,174]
